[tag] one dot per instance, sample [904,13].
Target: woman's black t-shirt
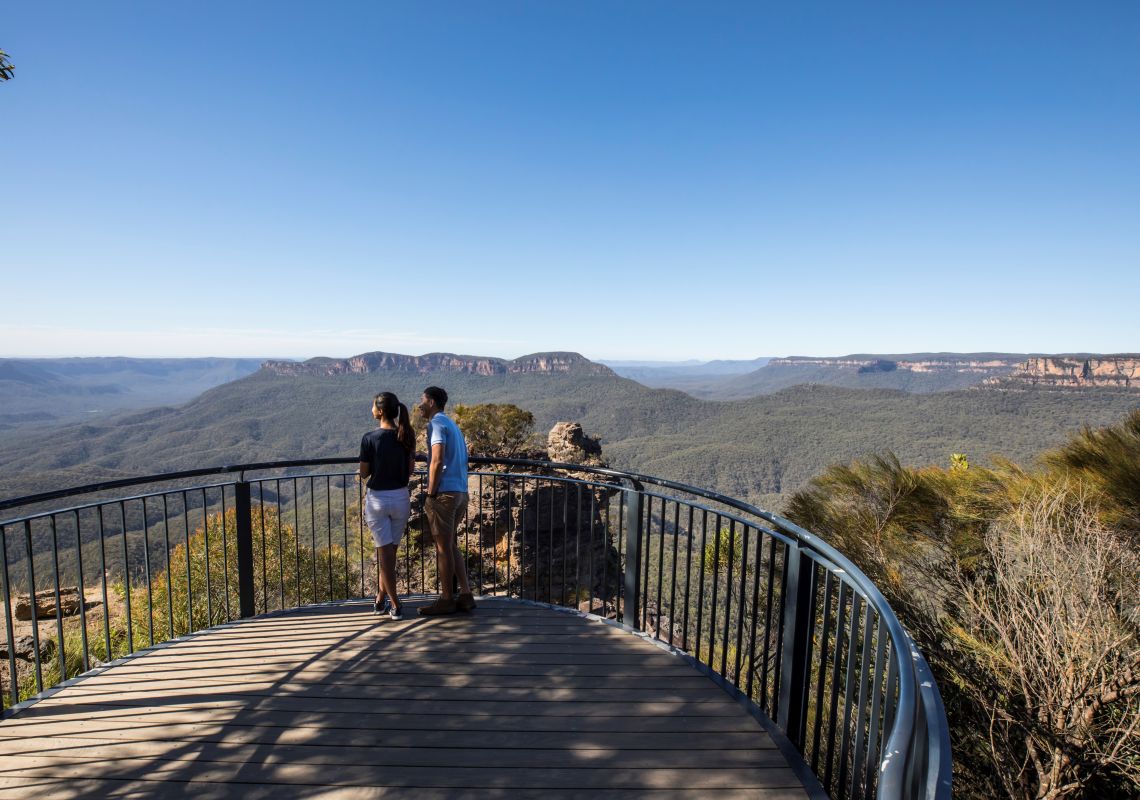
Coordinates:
[387,458]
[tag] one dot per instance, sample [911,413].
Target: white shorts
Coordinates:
[386,514]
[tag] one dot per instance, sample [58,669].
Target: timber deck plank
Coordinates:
[332,701]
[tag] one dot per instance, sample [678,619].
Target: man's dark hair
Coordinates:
[437,396]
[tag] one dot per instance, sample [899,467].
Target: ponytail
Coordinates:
[404,433]
[395,411]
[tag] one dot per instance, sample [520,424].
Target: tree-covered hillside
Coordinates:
[762,448]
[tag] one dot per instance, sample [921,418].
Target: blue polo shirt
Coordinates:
[442,430]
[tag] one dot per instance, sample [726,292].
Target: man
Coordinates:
[446,502]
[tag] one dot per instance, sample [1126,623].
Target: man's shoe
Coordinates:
[444,605]
[465,602]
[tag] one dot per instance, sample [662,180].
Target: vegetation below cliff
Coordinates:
[1019,586]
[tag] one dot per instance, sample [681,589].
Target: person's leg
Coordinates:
[459,561]
[377,523]
[387,561]
[381,589]
[436,512]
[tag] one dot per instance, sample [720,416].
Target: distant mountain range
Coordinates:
[918,373]
[757,448]
[46,391]
[692,377]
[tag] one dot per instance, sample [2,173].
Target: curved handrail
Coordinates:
[900,776]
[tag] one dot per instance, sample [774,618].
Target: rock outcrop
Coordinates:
[1117,371]
[567,443]
[46,606]
[542,536]
[366,363]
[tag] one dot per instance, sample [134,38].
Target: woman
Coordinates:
[387,459]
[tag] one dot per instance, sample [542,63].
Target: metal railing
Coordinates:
[766,608]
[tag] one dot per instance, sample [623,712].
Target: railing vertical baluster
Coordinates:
[425,536]
[127,578]
[297,539]
[146,568]
[701,583]
[550,527]
[243,510]
[82,594]
[754,616]
[534,548]
[280,544]
[741,605]
[619,604]
[825,633]
[189,585]
[61,656]
[833,709]
[328,531]
[606,532]
[226,551]
[673,580]
[660,570]
[859,757]
[647,549]
[508,535]
[206,549]
[769,703]
[872,766]
[495,536]
[169,566]
[360,534]
[106,605]
[565,523]
[578,545]
[313,530]
[688,578]
[591,586]
[264,549]
[8,617]
[344,527]
[633,521]
[715,587]
[729,559]
[481,537]
[793,673]
[34,605]
[848,691]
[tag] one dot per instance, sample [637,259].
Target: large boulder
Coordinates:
[69,604]
[567,443]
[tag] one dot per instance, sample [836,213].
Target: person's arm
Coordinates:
[435,471]
[411,465]
[365,460]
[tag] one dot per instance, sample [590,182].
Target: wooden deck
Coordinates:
[513,700]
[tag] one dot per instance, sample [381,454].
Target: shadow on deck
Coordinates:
[515,700]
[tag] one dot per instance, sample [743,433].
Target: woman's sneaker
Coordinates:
[465,602]
[382,607]
[395,612]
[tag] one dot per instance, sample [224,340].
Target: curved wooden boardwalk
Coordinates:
[331,701]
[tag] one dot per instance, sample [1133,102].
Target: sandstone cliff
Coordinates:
[1118,371]
[438,362]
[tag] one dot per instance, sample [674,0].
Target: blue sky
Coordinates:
[624,179]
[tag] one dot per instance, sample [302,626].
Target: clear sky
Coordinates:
[624,179]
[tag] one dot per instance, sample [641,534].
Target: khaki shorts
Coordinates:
[444,512]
